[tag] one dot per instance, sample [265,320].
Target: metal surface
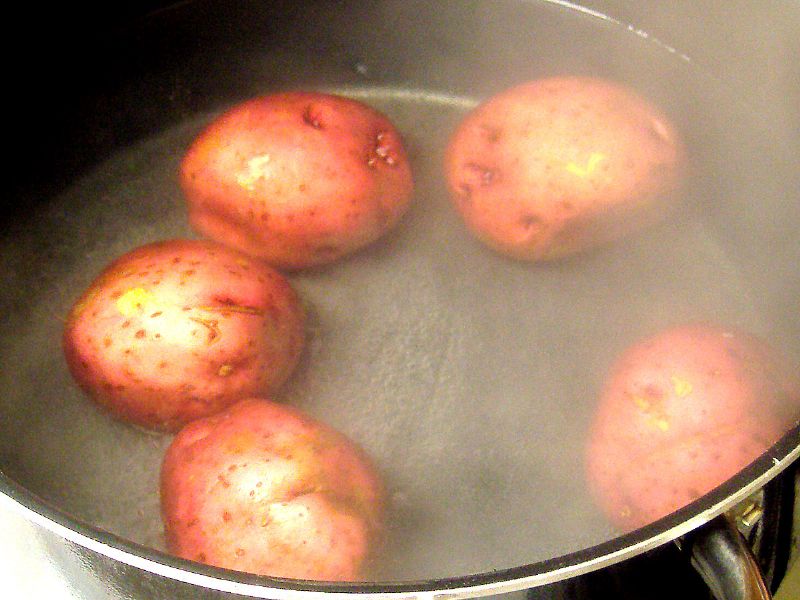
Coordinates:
[726,563]
[469,378]
[25,569]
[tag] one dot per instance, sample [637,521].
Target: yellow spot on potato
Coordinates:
[256,169]
[134,301]
[225,370]
[681,386]
[654,414]
[595,158]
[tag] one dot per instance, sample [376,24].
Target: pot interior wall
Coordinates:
[468,377]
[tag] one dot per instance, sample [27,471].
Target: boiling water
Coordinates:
[469,378]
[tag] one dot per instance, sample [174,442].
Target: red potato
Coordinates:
[682,412]
[263,488]
[556,166]
[181,329]
[298,179]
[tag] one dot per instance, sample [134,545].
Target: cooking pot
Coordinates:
[470,378]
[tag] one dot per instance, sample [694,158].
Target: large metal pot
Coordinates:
[470,378]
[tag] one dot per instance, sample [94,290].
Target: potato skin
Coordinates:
[297,178]
[180,329]
[555,166]
[682,412]
[263,488]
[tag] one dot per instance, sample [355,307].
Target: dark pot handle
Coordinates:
[723,559]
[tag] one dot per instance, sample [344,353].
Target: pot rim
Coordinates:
[36,510]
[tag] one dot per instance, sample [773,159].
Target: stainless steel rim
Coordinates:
[755,476]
